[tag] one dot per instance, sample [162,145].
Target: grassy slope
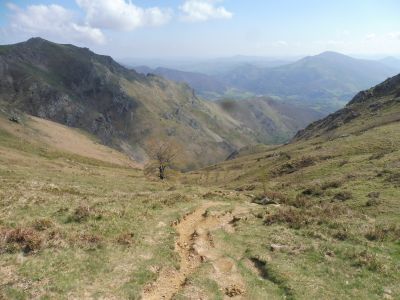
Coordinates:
[85,211]
[94,227]
[91,228]
[338,219]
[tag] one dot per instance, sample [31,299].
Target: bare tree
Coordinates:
[163,153]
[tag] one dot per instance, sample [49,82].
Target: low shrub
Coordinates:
[301,217]
[294,166]
[248,187]
[301,201]
[292,217]
[81,214]
[374,195]
[125,239]
[341,235]
[394,178]
[332,184]
[377,156]
[270,197]
[313,191]
[373,199]
[343,196]
[367,260]
[343,162]
[26,240]
[175,198]
[42,224]
[88,241]
[383,232]
[372,202]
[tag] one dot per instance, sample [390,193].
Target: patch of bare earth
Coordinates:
[195,245]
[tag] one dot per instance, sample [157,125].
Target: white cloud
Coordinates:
[203,10]
[121,15]
[394,35]
[346,33]
[370,36]
[280,44]
[53,22]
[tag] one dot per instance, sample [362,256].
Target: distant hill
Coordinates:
[210,67]
[391,62]
[204,85]
[324,82]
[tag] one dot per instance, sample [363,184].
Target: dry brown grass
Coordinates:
[383,233]
[42,224]
[81,214]
[365,259]
[26,240]
[300,217]
[126,239]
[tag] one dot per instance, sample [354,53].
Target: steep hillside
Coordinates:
[323,81]
[371,108]
[80,221]
[314,219]
[273,121]
[48,136]
[326,206]
[124,109]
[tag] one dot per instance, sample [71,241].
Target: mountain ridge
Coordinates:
[323,81]
[124,109]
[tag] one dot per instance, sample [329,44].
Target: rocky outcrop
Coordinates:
[368,105]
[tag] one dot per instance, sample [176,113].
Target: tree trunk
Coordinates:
[162,172]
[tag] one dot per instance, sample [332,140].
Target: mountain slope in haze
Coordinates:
[204,85]
[323,81]
[211,67]
[273,121]
[391,62]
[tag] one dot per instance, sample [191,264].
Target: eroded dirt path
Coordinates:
[195,245]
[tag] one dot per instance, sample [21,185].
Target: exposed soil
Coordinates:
[195,245]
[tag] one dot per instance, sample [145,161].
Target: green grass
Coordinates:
[93,229]
[349,251]
[85,255]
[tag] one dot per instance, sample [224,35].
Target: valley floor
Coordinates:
[78,227]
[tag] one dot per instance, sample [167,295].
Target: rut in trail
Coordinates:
[194,246]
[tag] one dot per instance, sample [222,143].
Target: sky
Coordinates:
[208,28]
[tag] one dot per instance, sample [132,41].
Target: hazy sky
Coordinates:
[208,28]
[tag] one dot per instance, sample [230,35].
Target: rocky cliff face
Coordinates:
[70,85]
